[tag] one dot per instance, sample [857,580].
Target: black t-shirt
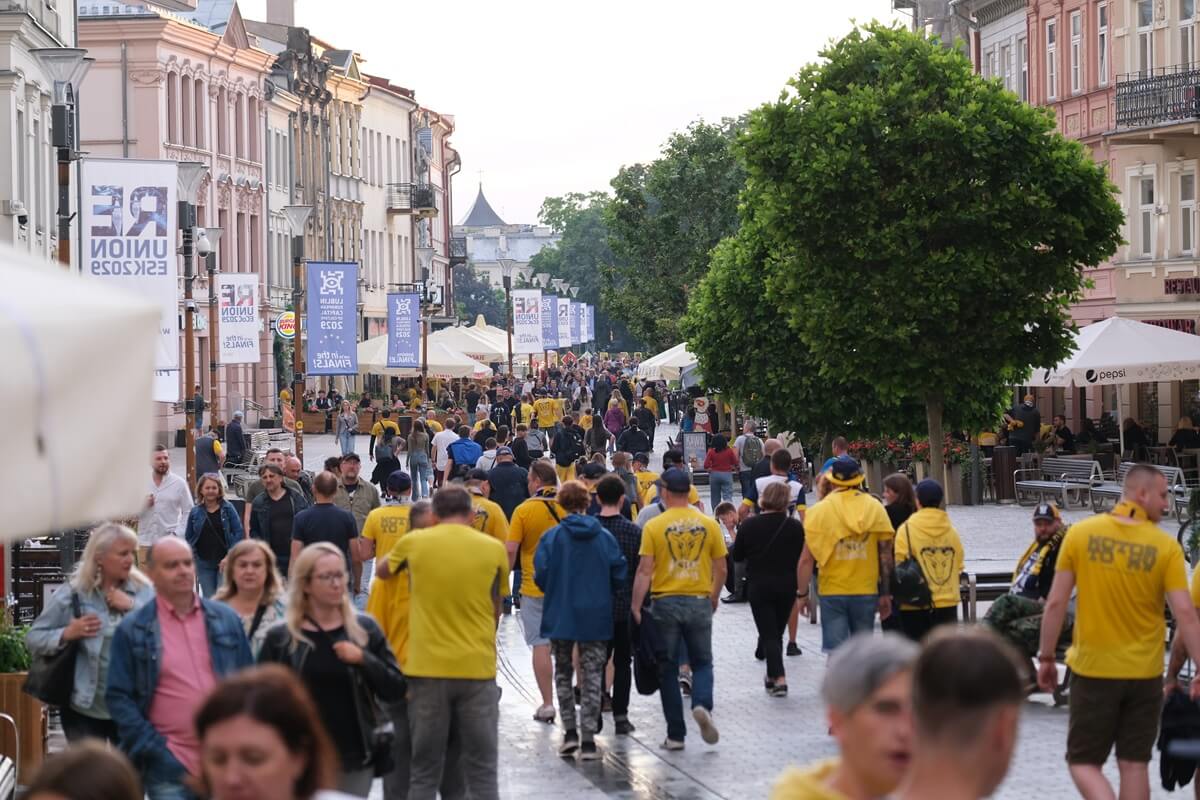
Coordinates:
[1065,433]
[211,544]
[472,401]
[279,534]
[325,522]
[329,682]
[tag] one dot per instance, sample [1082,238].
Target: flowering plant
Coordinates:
[953,451]
[882,450]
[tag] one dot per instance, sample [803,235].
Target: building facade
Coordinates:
[488,239]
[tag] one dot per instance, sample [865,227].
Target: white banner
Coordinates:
[562,309]
[129,227]
[527,321]
[237,299]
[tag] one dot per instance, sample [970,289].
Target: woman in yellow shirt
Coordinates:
[929,537]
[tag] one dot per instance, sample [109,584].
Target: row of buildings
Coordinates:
[280,117]
[1123,78]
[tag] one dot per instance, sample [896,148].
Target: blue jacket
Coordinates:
[578,564]
[134,664]
[232,524]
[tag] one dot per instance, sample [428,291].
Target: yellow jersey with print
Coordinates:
[645,486]
[929,537]
[489,518]
[529,521]
[545,408]
[378,428]
[808,783]
[843,533]
[684,543]
[387,601]
[453,573]
[1123,572]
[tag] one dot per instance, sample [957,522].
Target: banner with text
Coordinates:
[329,323]
[563,312]
[237,298]
[404,330]
[549,323]
[527,321]
[576,318]
[591,322]
[129,226]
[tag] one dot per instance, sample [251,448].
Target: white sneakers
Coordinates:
[708,730]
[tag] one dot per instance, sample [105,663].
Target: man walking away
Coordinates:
[441,443]
[461,455]
[749,449]
[567,449]
[325,522]
[610,492]
[509,482]
[235,440]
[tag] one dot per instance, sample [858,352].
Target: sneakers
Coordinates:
[793,649]
[685,683]
[588,752]
[570,745]
[672,744]
[544,714]
[623,725]
[778,690]
[708,731]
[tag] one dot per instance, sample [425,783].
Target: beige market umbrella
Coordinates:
[443,362]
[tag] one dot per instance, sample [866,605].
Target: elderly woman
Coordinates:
[104,587]
[253,589]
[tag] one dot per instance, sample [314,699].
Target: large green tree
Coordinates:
[473,295]
[926,230]
[665,219]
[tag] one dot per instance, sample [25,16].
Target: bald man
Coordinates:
[153,694]
[292,468]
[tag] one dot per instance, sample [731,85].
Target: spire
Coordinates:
[481,214]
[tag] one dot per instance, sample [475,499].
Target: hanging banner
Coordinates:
[549,323]
[591,322]
[563,312]
[129,225]
[329,322]
[576,318]
[237,312]
[404,329]
[527,321]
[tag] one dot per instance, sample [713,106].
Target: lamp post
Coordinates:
[66,66]
[212,236]
[189,178]
[424,260]
[297,217]
[506,273]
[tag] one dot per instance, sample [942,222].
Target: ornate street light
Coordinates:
[297,217]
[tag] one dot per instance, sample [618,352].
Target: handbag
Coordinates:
[51,678]
[908,584]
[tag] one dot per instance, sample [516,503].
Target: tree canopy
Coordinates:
[473,295]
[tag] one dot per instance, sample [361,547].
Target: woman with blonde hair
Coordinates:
[342,658]
[104,587]
[213,528]
[347,426]
[254,589]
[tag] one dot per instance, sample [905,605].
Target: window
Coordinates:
[1102,44]
[223,121]
[1187,213]
[172,107]
[1051,59]
[1145,36]
[990,69]
[1145,237]
[1023,60]
[1076,52]
[1187,31]
[252,129]
[201,101]
[1006,66]
[239,131]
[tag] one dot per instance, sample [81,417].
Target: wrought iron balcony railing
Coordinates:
[1170,94]
[411,198]
[458,250]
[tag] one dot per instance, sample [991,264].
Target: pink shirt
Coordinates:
[185,677]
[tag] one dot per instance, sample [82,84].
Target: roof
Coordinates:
[481,214]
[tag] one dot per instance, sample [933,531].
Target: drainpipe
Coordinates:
[124,101]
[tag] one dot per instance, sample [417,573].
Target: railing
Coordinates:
[1163,95]
[411,198]
[458,250]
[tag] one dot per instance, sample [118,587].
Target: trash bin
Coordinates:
[1004,463]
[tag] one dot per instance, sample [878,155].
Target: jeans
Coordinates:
[77,727]
[209,576]
[843,615]
[620,650]
[688,620]
[746,478]
[720,487]
[396,782]
[163,777]
[916,623]
[422,476]
[346,442]
[771,605]
[442,709]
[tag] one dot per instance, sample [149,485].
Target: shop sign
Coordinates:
[1184,325]
[1181,286]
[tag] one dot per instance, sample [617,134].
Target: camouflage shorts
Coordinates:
[1019,620]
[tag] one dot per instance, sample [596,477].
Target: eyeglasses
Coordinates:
[330,577]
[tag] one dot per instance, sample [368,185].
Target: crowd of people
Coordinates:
[342,629]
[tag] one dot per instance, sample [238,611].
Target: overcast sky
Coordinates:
[554,96]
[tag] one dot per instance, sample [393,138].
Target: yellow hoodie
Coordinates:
[808,783]
[843,533]
[936,546]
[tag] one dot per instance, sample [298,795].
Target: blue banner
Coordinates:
[549,322]
[330,320]
[591,323]
[404,330]
[576,318]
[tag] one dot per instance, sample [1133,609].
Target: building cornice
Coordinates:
[998,9]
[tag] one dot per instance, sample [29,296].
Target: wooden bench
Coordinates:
[1059,477]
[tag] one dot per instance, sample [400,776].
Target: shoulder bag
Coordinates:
[908,584]
[51,678]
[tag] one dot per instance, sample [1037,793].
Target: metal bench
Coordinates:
[1177,487]
[1059,478]
[985,586]
[1110,489]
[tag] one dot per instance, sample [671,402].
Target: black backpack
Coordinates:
[908,583]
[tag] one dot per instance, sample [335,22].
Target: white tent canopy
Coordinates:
[66,339]
[1119,350]
[481,326]
[669,365]
[476,344]
[443,362]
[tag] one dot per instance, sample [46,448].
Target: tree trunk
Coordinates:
[933,414]
[826,446]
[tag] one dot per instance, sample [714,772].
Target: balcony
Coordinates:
[411,198]
[1165,96]
[458,250]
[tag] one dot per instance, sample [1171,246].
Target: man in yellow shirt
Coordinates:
[682,568]
[530,520]
[929,537]
[867,691]
[456,575]
[385,423]
[646,480]
[431,423]
[1124,566]
[489,516]
[546,409]
[848,535]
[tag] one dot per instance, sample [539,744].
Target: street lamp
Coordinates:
[574,290]
[543,278]
[66,66]
[206,245]
[297,217]
[506,273]
[188,179]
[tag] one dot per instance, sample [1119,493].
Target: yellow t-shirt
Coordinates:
[1122,574]
[684,544]
[434,426]
[645,487]
[585,421]
[843,533]
[529,521]
[388,600]
[489,518]
[808,783]
[524,413]
[378,428]
[545,408]
[651,404]
[939,551]
[453,573]
[560,410]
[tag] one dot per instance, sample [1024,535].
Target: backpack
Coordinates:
[385,448]
[908,581]
[752,451]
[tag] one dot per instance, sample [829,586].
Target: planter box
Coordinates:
[365,420]
[875,472]
[32,724]
[314,421]
[954,484]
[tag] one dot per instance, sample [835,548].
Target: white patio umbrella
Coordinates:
[476,344]
[75,355]
[481,326]
[668,365]
[443,362]
[1123,351]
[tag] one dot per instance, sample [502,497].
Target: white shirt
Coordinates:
[763,483]
[172,503]
[441,441]
[487,460]
[527,389]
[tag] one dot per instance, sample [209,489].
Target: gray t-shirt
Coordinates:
[649,512]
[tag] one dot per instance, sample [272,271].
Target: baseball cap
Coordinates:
[1046,511]
[677,481]
[503,451]
[477,475]
[845,471]
[352,457]
[593,471]
[930,493]
[399,481]
[644,458]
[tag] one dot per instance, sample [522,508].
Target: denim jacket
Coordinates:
[134,664]
[198,518]
[45,636]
